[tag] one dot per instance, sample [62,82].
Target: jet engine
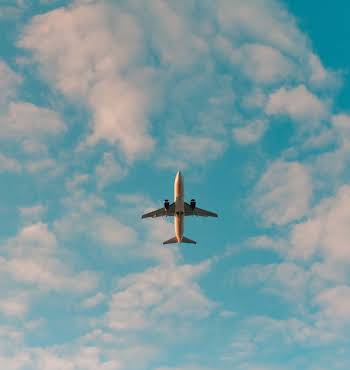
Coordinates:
[166,204]
[193,203]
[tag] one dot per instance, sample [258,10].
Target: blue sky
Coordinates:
[101,103]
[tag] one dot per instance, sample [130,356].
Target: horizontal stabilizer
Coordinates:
[171,241]
[186,240]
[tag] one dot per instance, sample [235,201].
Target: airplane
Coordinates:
[179,208]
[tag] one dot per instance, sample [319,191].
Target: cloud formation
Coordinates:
[177,83]
[32,258]
[326,231]
[9,82]
[283,193]
[100,44]
[163,293]
[131,68]
[298,103]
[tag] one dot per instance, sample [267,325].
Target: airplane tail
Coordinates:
[184,240]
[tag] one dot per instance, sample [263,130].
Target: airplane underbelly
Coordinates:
[179,227]
[179,205]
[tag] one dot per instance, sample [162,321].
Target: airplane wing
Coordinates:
[161,212]
[189,211]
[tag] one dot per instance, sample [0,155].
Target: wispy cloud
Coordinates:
[250,133]
[150,298]
[109,170]
[283,193]
[298,103]
[9,82]
[184,150]
[32,258]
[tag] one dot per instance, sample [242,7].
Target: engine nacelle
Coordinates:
[193,203]
[166,204]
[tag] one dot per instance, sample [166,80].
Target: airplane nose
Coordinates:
[178,184]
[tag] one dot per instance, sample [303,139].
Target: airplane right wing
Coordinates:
[161,212]
[189,211]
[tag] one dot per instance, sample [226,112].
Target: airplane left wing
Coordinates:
[161,212]
[189,211]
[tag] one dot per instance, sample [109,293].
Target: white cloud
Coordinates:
[88,358]
[123,63]
[119,117]
[99,43]
[10,336]
[30,126]
[254,99]
[278,245]
[50,166]
[298,103]
[90,352]
[335,303]
[86,214]
[185,149]
[33,236]
[226,314]
[109,170]
[179,45]
[14,305]
[262,337]
[95,53]
[8,164]
[9,82]
[86,48]
[250,133]
[25,120]
[267,22]
[287,280]
[15,363]
[132,199]
[326,232]
[321,139]
[110,231]
[266,330]
[319,76]
[79,179]
[94,300]
[32,258]
[185,367]
[263,64]
[32,214]
[157,294]
[330,166]
[283,193]
[341,123]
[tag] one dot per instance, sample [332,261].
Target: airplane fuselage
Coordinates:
[179,206]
